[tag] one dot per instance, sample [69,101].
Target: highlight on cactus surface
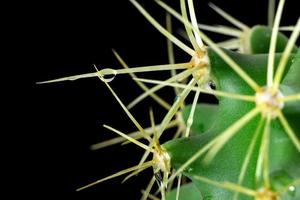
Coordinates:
[245,146]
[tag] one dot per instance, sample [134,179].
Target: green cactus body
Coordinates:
[227,164]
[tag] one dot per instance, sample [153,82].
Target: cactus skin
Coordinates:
[187,192]
[205,117]
[259,40]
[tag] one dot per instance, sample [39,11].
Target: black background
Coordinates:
[68,117]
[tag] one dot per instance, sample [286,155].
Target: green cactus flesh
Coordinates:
[259,39]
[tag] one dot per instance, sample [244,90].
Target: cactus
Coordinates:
[246,146]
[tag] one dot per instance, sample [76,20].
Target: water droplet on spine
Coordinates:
[107,75]
[73,79]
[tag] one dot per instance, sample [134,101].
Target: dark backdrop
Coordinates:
[68,116]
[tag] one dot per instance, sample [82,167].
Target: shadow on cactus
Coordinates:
[245,147]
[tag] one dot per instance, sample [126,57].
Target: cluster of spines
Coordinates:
[198,68]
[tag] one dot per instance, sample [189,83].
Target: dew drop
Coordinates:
[292,190]
[212,85]
[74,78]
[108,74]
[282,180]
